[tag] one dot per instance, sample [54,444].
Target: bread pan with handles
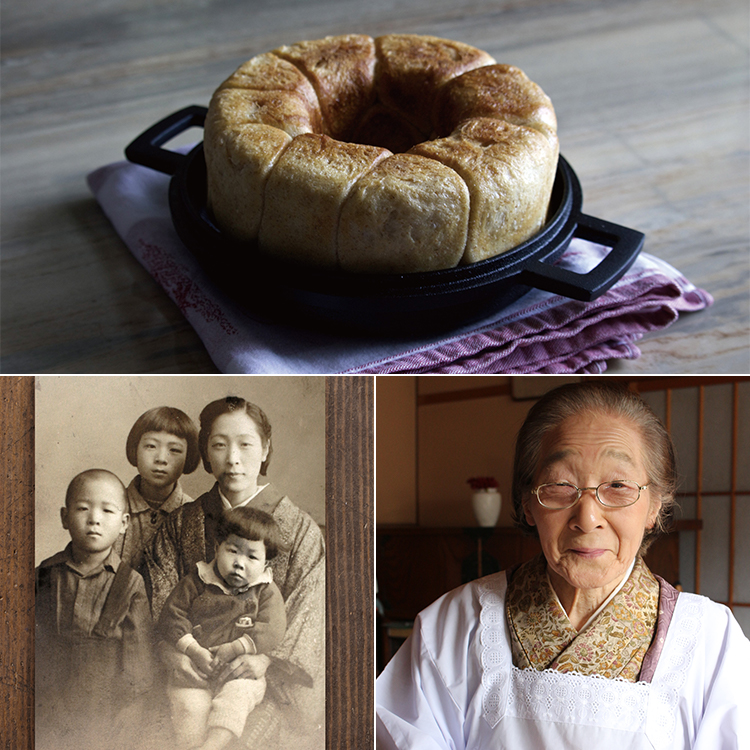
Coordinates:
[382,304]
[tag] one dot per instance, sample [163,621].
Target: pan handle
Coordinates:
[626,243]
[146,148]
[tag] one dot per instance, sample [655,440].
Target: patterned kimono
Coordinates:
[145,521]
[455,683]
[296,678]
[613,646]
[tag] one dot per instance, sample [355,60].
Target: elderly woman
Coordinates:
[581,647]
[235,445]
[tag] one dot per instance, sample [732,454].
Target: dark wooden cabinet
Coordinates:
[415,565]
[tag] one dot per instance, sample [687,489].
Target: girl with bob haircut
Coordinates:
[162,445]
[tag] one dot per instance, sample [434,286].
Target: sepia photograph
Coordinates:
[180,562]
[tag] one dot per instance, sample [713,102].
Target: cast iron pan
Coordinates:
[390,304]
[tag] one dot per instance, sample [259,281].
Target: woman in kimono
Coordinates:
[235,445]
[583,646]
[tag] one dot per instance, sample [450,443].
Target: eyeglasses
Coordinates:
[561,495]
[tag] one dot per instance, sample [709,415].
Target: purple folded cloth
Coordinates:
[540,333]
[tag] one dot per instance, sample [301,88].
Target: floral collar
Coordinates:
[612,646]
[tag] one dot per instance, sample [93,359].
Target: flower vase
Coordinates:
[486,504]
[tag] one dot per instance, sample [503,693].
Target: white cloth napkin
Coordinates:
[540,333]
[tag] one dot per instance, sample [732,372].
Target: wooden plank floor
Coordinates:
[652,101]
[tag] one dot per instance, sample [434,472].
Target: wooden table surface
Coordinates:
[652,103]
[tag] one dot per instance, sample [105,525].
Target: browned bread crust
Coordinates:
[502,92]
[506,168]
[411,70]
[394,220]
[304,195]
[342,71]
[397,154]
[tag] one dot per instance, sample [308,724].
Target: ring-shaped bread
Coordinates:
[397,154]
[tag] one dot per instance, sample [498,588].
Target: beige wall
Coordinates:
[437,446]
[463,439]
[396,448]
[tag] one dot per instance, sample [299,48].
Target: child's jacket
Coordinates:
[203,606]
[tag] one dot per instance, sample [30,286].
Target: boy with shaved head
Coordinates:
[93,625]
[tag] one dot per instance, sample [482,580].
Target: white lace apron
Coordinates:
[540,709]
